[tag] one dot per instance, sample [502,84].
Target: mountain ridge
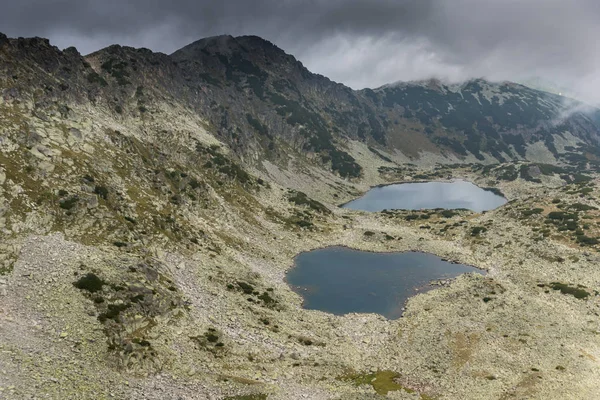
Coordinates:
[259,99]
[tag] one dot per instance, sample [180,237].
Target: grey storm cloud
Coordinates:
[362,43]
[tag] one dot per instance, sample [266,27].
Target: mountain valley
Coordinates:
[151,204]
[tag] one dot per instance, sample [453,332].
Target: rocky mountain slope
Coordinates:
[265,105]
[150,205]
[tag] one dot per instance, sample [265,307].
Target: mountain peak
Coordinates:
[228,45]
[212,42]
[228,41]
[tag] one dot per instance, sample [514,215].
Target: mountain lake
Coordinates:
[339,280]
[428,195]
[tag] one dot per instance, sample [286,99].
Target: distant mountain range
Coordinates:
[265,105]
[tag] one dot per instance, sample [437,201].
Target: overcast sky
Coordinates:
[362,43]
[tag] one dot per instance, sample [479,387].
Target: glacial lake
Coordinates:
[339,280]
[428,195]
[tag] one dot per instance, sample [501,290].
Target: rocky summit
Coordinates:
[151,204]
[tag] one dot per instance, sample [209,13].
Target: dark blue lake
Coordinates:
[340,280]
[428,195]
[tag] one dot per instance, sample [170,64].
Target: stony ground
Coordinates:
[505,335]
[139,260]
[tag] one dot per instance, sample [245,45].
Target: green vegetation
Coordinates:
[117,69]
[576,178]
[383,382]
[211,340]
[525,172]
[247,397]
[245,287]
[561,215]
[533,211]
[578,292]
[211,335]
[96,79]
[508,173]
[68,204]
[316,130]
[101,191]
[224,165]
[234,171]
[257,125]
[581,207]
[300,221]
[476,230]
[113,312]
[265,299]
[130,307]
[475,123]
[301,199]
[586,240]
[448,213]
[90,282]
[376,152]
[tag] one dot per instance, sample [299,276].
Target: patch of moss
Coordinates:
[101,191]
[533,211]
[68,204]
[581,207]
[383,382]
[301,199]
[257,125]
[210,340]
[94,78]
[577,292]
[90,282]
[113,311]
[476,230]
[211,337]
[247,397]
[377,153]
[586,240]
[245,287]
[526,174]
[561,215]
[267,299]
[448,213]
